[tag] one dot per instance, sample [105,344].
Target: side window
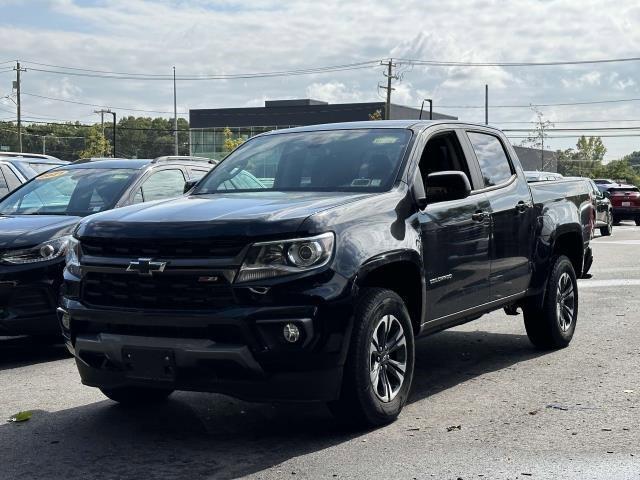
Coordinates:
[442,152]
[12,179]
[159,185]
[4,188]
[494,164]
[197,173]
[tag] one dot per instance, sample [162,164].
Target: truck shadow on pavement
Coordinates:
[211,436]
[21,351]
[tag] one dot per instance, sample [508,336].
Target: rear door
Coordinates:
[455,235]
[511,214]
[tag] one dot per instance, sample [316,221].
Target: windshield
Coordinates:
[623,190]
[80,191]
[338,160]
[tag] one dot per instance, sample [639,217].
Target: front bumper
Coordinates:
[199,365]
[237,349]
[28,299]
[626,213]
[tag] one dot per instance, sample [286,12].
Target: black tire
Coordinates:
[132,396]
[606,231]
[545,327]
[616,221]
[637,222]
[587,264]
[361,404]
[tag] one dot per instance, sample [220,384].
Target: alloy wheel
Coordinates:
[565,302]
[387,358]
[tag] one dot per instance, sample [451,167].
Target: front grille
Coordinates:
[179,292]
[157,248]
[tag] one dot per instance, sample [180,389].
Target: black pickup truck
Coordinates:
[314,285]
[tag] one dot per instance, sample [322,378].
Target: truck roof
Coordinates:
[409,124]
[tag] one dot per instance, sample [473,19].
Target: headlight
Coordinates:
[273,259]
[73,256]
[48,250]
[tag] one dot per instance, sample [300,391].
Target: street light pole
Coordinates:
[175,111]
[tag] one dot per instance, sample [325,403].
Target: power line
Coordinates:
[564,104]
[83,72]
[99,105]
[587,129]
[437,63]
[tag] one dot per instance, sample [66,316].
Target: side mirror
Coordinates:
[447,185]
[189,184]
[606,194]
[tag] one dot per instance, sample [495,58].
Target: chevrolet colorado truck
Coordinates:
[315,285]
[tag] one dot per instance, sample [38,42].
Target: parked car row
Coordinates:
[17,168]
[625,201]
[38,217]
[603,217]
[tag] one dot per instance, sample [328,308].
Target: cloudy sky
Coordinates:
[203,37]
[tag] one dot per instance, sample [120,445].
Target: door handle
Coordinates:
[522,207]
[479,216]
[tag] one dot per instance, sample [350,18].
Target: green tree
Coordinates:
[585,160]
[377,115]
[96,144]
[231,143]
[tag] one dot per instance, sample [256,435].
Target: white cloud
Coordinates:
[229,36]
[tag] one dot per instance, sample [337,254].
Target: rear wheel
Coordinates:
[136,395]
[379,368]
[606,231]
[638,221]
[553,324]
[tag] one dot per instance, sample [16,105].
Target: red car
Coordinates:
[625,202]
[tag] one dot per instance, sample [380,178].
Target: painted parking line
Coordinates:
[615,282]
[617,242]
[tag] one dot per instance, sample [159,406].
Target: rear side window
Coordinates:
[161,185]
[494,163]
[4,189]
[12,179]
[197,173]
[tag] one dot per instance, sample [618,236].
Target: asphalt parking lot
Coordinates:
[485,404]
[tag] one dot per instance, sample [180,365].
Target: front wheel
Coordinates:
[132,396]
[553,325]
[379,367]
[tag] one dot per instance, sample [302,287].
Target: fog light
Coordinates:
[291,333]
[66,320]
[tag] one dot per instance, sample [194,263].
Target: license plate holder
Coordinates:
[149,363]
[626,204]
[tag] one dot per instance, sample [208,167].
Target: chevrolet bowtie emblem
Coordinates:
[146,266]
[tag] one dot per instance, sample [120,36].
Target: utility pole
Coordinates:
[18,104]
[44,144]
[390,76]
[486,104]
[102,112]
[542,148]
[175,111]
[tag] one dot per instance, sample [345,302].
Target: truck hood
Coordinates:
[228,214]
[23,231]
